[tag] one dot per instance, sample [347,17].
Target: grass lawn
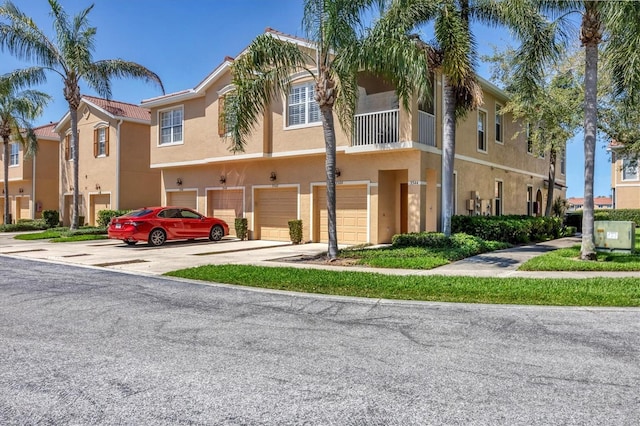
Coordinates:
[63,235]
[525,291]
[569,260]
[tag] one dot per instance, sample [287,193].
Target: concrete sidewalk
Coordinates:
[113,254]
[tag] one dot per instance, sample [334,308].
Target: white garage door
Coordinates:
[274,208]
[227,205]
[351,214]
[182,199]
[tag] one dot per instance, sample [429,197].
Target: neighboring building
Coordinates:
[113,159]
[33,182]
[625,179]
[599,202]
[388,177]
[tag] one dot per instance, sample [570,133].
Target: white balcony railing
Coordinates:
[426,128]
[376,128]
[382,128]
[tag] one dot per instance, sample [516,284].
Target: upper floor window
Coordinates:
[14,154]
[499,136]
[171,126]
[101,142]
[482,134]
[302,106]
[629,169]
[68,148]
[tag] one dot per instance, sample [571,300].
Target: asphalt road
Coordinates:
[91,346]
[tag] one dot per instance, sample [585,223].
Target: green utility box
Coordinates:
[612,235]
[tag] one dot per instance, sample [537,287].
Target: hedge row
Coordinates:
[105,216]
[511,229]
[575,218]
[25,225]
[458,246]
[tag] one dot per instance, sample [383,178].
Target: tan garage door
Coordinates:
[22,208]
[1,209]
[226,204]
[182,199]
[274,208]
[99,202]
[351,214]
[68,210]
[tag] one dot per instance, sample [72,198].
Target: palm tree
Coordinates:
[69,56]
[617,22]
[454,54]
[17,110]
[263,71]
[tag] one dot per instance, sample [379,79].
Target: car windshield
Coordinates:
[138,213]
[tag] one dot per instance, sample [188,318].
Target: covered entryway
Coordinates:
[273,209]
[22,208]
[68,210]
[98,202]
[183,199]
[352,217]
[226,204]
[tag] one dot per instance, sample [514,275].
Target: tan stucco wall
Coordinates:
[139,184]
[627,192]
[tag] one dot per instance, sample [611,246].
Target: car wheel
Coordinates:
[131,243]
[216,233]
[157,237]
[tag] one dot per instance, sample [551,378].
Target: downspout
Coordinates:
[117,190]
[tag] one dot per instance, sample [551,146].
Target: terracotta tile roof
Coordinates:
[168,95]
[46,131]
[280,33]
[120,109]
[598,201]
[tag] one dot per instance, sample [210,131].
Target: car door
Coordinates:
[171,220]
[194,224]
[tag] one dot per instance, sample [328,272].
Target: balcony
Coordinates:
[382,127]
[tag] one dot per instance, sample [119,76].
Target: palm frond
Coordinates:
[98,74]
[24,77]
[621,54]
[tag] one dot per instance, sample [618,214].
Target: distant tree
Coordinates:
[17,109]
[70,55]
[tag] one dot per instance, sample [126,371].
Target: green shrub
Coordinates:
[631,215]
[421,239]
[569,231]
[511,229]
[31,225]
[105,216]
[51,218]
[86,230]
[295,231]
[241,226]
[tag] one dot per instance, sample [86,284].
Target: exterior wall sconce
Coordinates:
[338,172]
[21,190]
[97,187]
[179,181]
[273,176]
[223,179]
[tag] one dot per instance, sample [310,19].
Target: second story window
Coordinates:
[302,107]
[101,142]
[68,148]
[482,133]
[629,169]
[14,154]
[171,126]
[499,137]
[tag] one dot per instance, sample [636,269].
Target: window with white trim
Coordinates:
[14,154]
[482,133]
[101,142]
[499,118]
[629,169]
[171,126]
[302,107]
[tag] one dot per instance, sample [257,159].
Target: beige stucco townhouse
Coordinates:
[113,159]
[625,178]
[33,181]
[388,177]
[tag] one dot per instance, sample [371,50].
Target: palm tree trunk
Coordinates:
[588,251]
[7,207]
[552,181]
[330,167]
[73,112]
[448,155]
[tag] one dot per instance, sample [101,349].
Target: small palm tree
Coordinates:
[69,56]
[333,27]
[17,109]
[454,54]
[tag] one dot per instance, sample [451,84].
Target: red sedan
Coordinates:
[156,225]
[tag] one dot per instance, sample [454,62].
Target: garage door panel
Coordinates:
[99,202]
[351,214]
[274,209]
[226,205]
[182,199]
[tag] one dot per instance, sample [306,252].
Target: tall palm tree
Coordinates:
[455,53]
[263,71]
[618,24]
[70,56]
[17,109]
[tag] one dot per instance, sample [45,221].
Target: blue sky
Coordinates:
[183,41]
